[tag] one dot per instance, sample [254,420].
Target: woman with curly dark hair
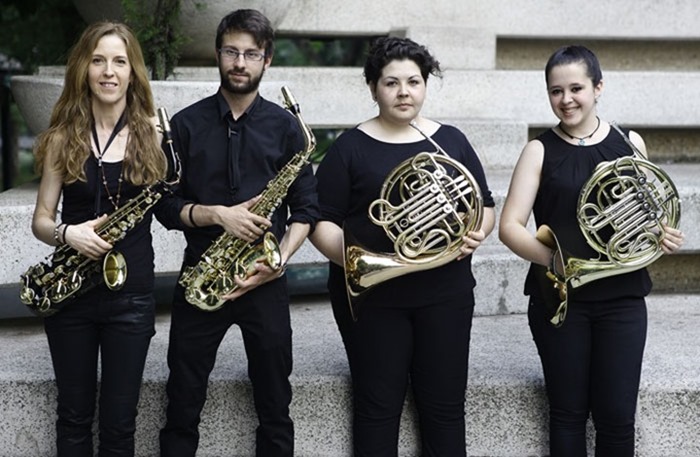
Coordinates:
[415,327]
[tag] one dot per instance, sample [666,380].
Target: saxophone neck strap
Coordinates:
[118,127]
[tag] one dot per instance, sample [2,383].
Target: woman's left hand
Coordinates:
[672,240]
[470,242]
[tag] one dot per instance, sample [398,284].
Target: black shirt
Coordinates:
[227,162]
[350,178]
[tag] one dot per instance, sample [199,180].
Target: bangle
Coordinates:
[189,215]
[63,235]
[56,230]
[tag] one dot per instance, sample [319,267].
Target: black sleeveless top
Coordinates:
[565,169]
[79,205]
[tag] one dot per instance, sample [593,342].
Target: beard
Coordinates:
[240,88]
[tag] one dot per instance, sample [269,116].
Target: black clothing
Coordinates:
[227,162]
[565,169]
[593,361]
[413,327]
[351,177]
[195,337]
[118,327]
[136,247]
[387,347]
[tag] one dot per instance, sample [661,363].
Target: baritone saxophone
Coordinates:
[228,256]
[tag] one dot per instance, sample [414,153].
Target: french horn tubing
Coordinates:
[621,211]
[426,205]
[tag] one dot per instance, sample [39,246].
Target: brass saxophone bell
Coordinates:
[114,270]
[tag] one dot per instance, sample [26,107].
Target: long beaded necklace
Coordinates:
[114,200]
[581,139]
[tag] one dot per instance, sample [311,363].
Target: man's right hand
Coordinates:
[240,222]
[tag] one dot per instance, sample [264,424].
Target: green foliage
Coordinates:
[321,52]
[159,30]
[324,140]
[38,32]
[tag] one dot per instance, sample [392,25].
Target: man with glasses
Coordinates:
[231,145]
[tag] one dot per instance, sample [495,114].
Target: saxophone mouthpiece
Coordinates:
[290,101]
[164,123]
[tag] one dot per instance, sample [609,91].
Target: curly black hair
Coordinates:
[387,49]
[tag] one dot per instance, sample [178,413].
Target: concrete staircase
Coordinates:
[494,91]
[505,398]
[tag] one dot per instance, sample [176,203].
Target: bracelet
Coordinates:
[189,215]
[56,230]
[63,235]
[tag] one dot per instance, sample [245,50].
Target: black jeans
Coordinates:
[118,326]
[388,346]
[592,363]
[195,335]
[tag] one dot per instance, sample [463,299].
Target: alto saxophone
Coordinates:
[229,256]
[66,273]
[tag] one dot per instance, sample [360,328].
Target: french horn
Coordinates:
[621,211]
[426,205]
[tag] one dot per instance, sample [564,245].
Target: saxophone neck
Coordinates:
[292,105]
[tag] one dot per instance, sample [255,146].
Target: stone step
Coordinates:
[505,397]
[499,272]
[462,94]
[541,19]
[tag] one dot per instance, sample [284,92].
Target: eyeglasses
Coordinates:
[252,56]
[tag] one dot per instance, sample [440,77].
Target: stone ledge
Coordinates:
[498,272]
[541,19]
[470,94]
[505,399]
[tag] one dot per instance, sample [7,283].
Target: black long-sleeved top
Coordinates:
[227,161]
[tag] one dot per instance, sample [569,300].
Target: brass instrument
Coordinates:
[426,205]
[66,273]
[229,256]
[621,211]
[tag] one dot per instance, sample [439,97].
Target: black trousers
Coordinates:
[388,346]
[118,327]
[592,364]
[195,336]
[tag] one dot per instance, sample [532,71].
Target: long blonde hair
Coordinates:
[68,135]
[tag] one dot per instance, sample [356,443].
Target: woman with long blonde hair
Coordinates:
[101,148]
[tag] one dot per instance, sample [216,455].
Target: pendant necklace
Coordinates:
[121,123]
[582,139]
